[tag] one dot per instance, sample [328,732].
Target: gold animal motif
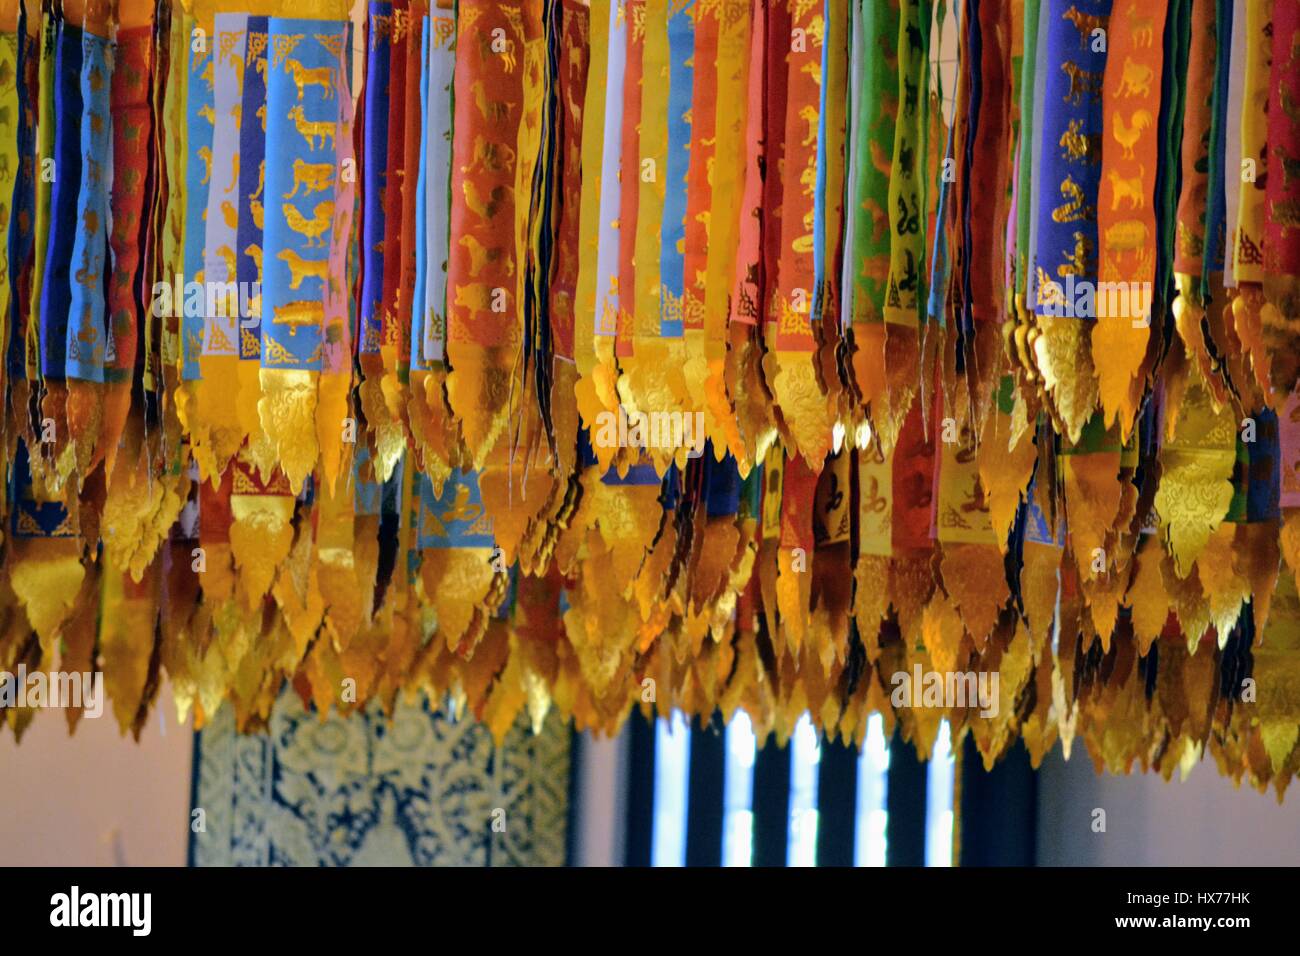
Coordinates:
[1080,261]
[300,268]
[812,116]
[259,214]
[889,106]
[238,62]
[314,228]
[1078,146]
[1083,83]
[491,111]
[85,276]
[1290,168]
[303,77]
[1049,291]
[876,267]
[490,157]
[808,179]
[444,28]
[1289,106]
[879,221]
[229,214]
[480,255]
[488,208]
[261,179]
[234,173]
[1128,135]
[227,255]
[1141,28]
[88,333]
[1085,23]
[474,295]
[1073,209]
[90,222]
[883,162]
[1285,213]
[1135,80]
[254,252]
[311,177]
[1127,235]
[312,130]
[131,134]
[205,155]
[302,312]
[209,114]
[1128,189]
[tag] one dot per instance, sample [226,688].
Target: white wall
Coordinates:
[601,800]
[1204,821]
[96,798]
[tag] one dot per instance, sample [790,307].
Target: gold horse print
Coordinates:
[304,77]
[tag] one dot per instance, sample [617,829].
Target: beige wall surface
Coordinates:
[1202,821]
[95,798]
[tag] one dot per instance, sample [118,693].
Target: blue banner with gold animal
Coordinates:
[56,294]
[251,204]
[303,117]
[455,518]
[1070,173]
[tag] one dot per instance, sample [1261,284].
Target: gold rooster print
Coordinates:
[1128,134]
[485,208]
[314,228]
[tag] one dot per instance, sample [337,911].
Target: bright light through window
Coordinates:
[873,784]
[938,801]
[805,756]
[738,793]
[672,769]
